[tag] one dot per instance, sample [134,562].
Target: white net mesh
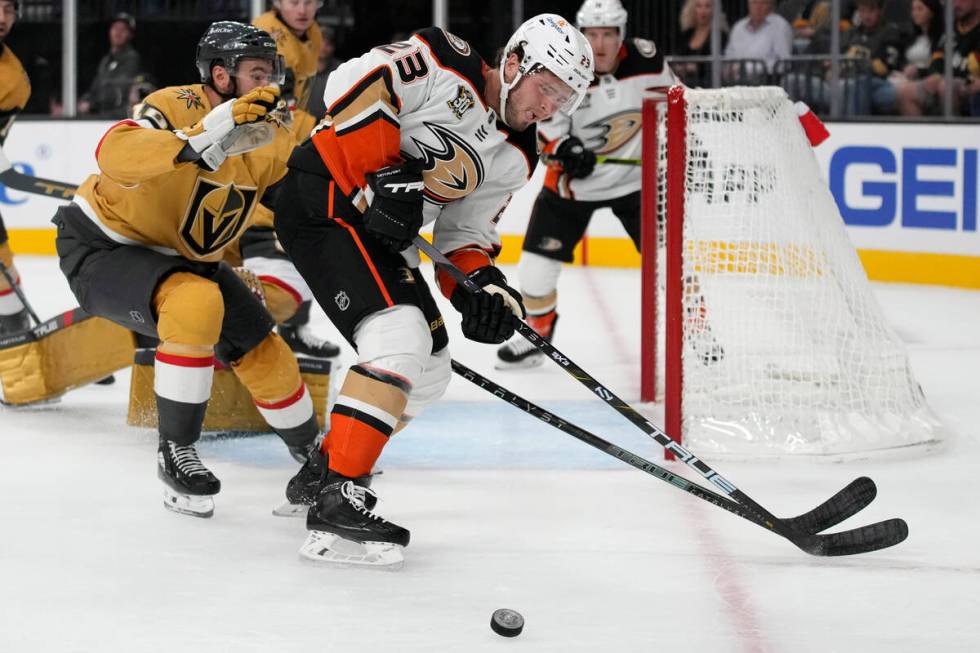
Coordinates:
[785,348]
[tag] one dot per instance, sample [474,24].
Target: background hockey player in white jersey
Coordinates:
[608,122]
[421,131]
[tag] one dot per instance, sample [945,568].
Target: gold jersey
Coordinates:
[143,196]
[300,54]
[15,89]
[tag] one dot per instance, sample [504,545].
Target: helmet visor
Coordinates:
[563,96]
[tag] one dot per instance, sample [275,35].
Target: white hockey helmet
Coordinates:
[602,13]
[550,42]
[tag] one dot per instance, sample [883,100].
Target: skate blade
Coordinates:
[526,364]
[291,510]
[187,504]
[323,548]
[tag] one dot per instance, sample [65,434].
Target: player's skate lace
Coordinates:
[356,495]
[187,460]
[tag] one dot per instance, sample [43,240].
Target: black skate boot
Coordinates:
[19,321]
[303,488]
[344,531]
[301,340]
[518,353]
[189,485]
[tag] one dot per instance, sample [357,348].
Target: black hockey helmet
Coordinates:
[227,42]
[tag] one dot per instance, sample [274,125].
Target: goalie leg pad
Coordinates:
[65,352]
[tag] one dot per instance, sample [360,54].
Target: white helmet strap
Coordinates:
[506,88]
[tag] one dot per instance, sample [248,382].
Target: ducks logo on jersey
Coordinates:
[614,131]
[451,168]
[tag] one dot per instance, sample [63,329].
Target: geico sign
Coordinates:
[880,178]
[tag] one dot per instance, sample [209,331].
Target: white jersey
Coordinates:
[423,99]
[608,122]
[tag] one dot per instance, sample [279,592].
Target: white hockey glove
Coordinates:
[233,127]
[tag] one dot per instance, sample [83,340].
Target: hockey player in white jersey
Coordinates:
[417,132]
[607,123]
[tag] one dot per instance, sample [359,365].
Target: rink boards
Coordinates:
[908,194]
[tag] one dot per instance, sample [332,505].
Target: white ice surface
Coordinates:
[504,512]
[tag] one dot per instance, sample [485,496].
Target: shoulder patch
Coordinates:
[454,53]
[646,48]
[190,98]
[642,58]
[458,44]
[146,111]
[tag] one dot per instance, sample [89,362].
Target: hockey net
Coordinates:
[759,321]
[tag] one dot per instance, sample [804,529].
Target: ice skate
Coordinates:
[344,532]
[303,342]
[303,488]
[518,353]
[188,484]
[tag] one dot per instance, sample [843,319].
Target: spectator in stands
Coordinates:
[923,94]
[109,93]
[880,42]
[927,19]
[807,18]
[326,63]
[760,35]
[695,41]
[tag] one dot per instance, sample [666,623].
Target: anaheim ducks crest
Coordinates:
[216,216]
[450,167]
[614,131]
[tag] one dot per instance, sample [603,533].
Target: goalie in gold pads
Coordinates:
[143,240]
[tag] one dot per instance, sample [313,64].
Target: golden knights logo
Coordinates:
[216,216]
[451,168]
[190,98]
[462,103]
[614,131]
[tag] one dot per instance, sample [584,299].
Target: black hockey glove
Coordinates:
[395,214]
[488,316]
[577,161]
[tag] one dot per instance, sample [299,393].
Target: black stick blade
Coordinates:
[872,537]
[846,503]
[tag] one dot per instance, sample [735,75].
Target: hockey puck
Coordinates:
[507,623]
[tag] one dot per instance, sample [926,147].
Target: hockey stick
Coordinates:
[843,505]
[29,184]
[859,540]
[20,293]
[600,158]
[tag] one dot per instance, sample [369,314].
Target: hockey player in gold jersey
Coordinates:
[15,89]
[142,245]
[292,23]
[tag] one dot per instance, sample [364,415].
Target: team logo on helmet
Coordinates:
[450,167]
[614,131]
[216,216]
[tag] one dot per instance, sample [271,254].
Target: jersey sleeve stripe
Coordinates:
[376,85]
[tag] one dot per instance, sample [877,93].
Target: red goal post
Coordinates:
[759,329]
